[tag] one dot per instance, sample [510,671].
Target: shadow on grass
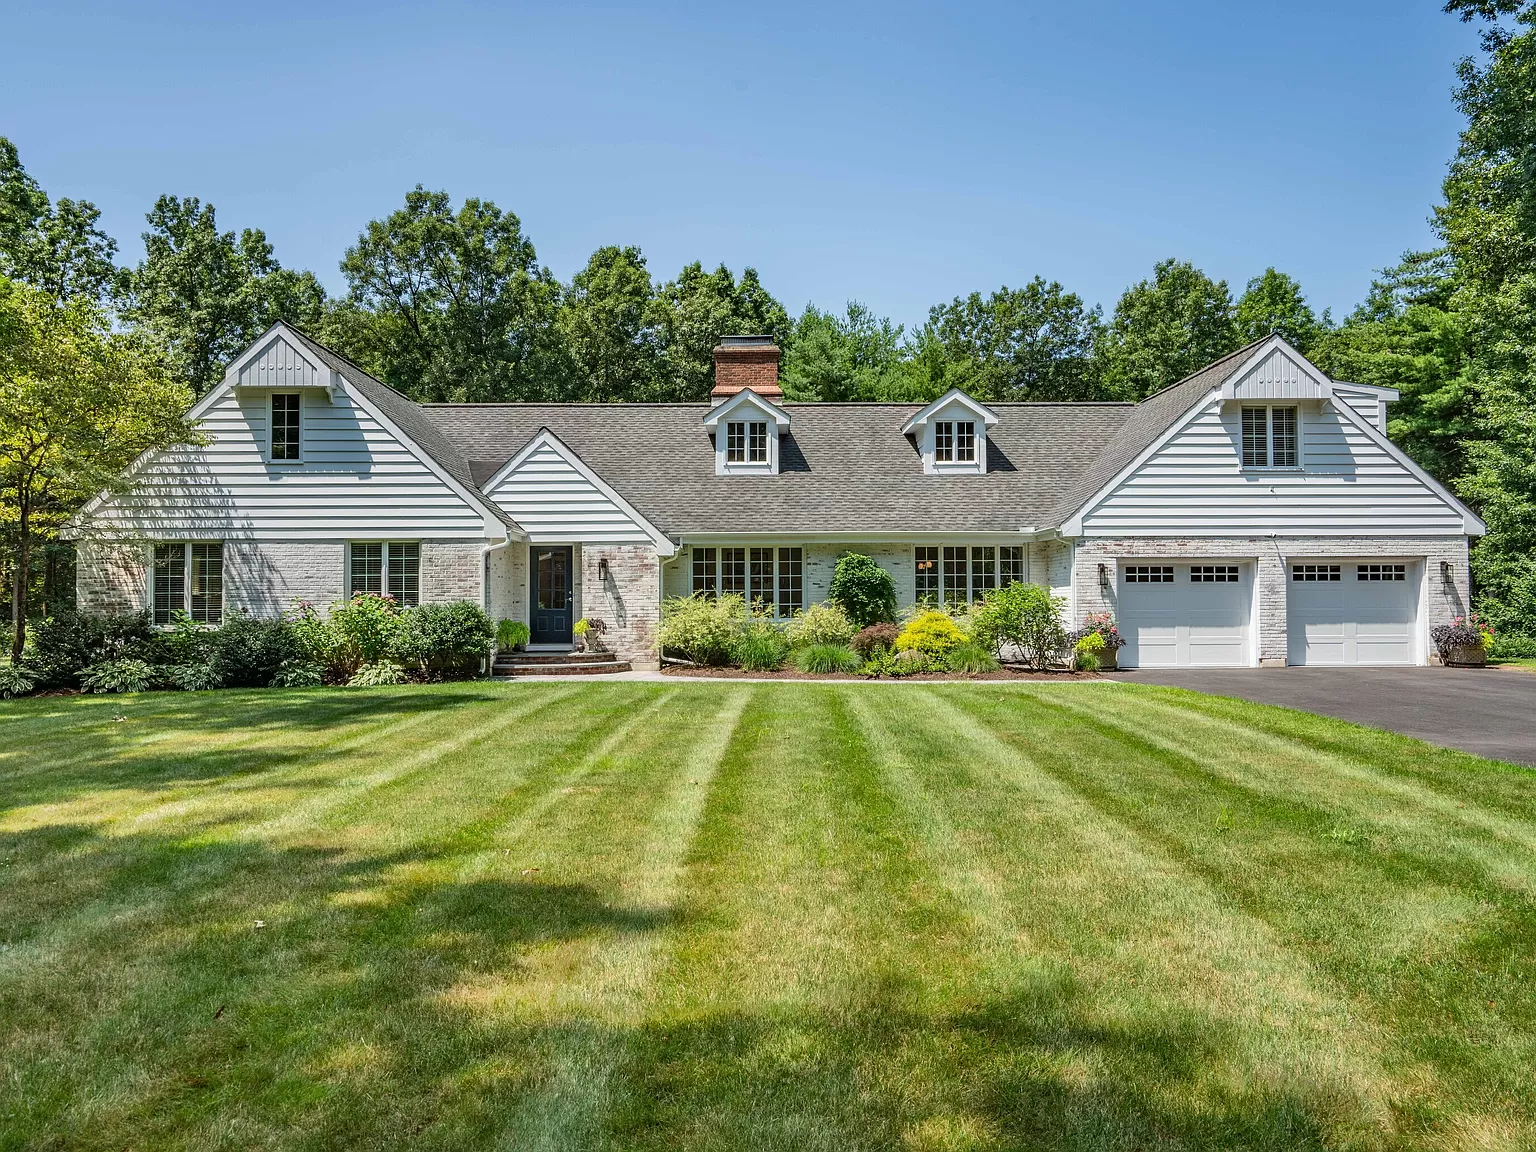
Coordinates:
[389,1001]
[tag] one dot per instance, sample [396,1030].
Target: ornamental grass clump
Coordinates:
[761,647]
[971,659]
[824,623]
[702,629]
[826,659]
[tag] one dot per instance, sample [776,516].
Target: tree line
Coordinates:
[450,303]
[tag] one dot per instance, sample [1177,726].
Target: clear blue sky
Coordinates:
[896,155]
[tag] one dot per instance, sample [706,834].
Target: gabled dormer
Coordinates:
[746,429]
[281,375]
[951,434]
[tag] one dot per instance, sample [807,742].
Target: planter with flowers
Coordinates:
[1464,642]
[1102,625]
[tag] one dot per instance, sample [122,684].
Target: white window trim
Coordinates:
[186,581]
[747,573]
[272,430]
[1269,437]
[383,565]
[936,467]
[970,567]
[727,467]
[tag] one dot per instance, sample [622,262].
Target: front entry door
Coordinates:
[551,596]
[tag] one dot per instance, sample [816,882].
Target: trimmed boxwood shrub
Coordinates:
[445,640]
[246,652]
[864,590]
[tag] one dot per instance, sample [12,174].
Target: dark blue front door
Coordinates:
[551,596]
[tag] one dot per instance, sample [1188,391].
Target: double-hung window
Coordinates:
[956,575]
[1269,437]
[954,441]
[287,424]
[189,578]
[385,569]
[772,579]
[746,442]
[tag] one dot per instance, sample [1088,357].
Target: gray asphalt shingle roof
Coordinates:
[843,467]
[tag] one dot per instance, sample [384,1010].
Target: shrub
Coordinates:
[761,647]
[192,677]
[364,630]
[511,635]
[125,674]
[931,633]
[185,642]
[62,647]
[444,639]
[1026,615]
[246,652]
[875,638]
[1510,647]
[971,659]
[913,663]
[825,623]
[299,674]
[15,681]
[379,674]
[702,630]
[863,590]
[826,659]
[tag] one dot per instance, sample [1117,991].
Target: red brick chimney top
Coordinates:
[746,362]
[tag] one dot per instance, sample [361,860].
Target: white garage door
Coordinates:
[1185,615]
[1352,612]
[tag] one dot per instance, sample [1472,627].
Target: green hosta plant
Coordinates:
[826,659]
[377,675]
[124,675]
[15,681]
[193,677]
[299,674]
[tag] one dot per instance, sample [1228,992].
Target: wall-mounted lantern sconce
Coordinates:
[1447,573]
[602,568]
[1103,575]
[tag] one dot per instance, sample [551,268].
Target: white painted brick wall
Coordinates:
[1272,555]
[508,587]
[624,597]
[451,571]
[111,577]
[264,578]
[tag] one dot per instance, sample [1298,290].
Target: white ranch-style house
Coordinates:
[1254,513]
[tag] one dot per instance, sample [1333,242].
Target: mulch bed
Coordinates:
[706,673]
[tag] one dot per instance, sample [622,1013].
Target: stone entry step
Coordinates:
[513,665]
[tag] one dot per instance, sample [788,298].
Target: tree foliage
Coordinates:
[855,356]
[1274,302]
[691,313]
[207,294]
[1165,328]
[56,247]
[606,328]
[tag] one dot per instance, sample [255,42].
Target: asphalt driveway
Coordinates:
[1487,711]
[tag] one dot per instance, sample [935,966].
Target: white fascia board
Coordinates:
[1471,523]
[980,410]
[1258,356]
[1073,525]
[544,437]
[1022,536]
[279,330]
[746,398]
[1388,394]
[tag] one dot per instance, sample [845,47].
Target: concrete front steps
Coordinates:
[516,665]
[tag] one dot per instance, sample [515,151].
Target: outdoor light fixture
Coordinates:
[1103,575]
[602,568]
[1446,574]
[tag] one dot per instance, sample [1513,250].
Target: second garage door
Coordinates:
[1352,612]
[1185,615]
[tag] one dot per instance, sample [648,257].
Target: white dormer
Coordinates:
[951,434]
[747,429]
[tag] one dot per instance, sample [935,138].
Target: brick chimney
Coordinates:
[746,362]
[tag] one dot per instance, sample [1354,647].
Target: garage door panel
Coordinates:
[1170,619]
[1338,616]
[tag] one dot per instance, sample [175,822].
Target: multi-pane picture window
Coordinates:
[1381,572]
[746,442]
[954,441]
[378,569]
[770,578]
[1269,438]
[954,574]
[1213,574]
[286,421]
[1308,573]
[1149,574]
[188,578]
[706,571]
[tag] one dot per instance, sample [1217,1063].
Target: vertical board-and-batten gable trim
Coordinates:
[279,365]
[1276,371]
[566,500]
[263,350]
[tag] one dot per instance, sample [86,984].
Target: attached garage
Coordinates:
[1345,612]
[1189,615]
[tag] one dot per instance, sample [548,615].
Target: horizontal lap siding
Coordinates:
[552,501]
[1195,485]
[356,481]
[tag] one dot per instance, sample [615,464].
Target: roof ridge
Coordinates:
[1204,368]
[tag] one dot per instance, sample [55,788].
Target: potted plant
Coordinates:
[511,635]
[1464,642]
[589,634]
[1102,624]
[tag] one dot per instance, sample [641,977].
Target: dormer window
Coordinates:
[747,430]
[287,422]
[1269,437]
[954,441]
[746,442]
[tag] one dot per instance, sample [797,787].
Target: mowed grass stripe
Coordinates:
[1412,959]
[1102,937]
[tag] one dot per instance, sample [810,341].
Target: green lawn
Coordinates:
[756,916]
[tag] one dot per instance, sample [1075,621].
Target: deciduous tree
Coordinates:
[1165,328]
[605,328]
[691,313]
[53,246]
[1274,302]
